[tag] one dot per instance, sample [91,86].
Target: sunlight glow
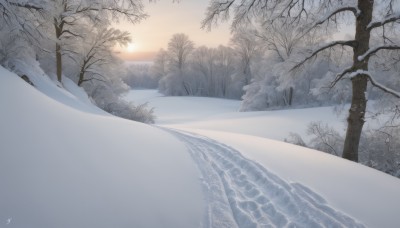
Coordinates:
[131,47]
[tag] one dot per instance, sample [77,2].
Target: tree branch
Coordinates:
[373,51]
[341,75]
[66,31]
[392,18]
[382,87]
[333,13]
[216,8]
[350,43]
[25,5]
[90,79]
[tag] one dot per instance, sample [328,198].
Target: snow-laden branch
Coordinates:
[133,13]
[382,87]
[374,83]
[294,9]
[352,74]
[350,43]
[214,11]
[374,50]
[386,20]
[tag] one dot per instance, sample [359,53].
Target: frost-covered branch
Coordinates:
[352,9]
[373,51]
[350,43]
[66,31]
[382,87]
[273,9]
[26,5]
[132,9]
[373,82]
[390,19]
[214,11]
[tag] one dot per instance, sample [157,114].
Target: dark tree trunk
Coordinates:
[359,82]
[58,51]
[81,78]
[290,96]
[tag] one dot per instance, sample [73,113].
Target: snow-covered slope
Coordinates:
[64,163]
[73,166]
[368,196]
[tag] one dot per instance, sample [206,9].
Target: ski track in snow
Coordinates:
[241,193]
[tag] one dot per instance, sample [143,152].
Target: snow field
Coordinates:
[65,163]
[242,193]
[223,115]
[368,196]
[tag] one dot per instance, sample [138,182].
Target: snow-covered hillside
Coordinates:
[64,163]
[68,166]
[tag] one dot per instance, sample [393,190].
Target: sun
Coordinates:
[131,47]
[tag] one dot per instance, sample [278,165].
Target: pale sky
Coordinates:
[167,18]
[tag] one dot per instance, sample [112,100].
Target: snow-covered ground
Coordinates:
[342,187]
[65,163]
[222,115]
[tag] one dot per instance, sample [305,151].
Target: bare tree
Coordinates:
[368,17]
[324,138]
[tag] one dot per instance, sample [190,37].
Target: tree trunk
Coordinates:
[290,96]
[247,74]
[359,82]
[183,82]
[58,51]
[81,78]
[355,120]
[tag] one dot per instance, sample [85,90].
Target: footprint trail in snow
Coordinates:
[241,193]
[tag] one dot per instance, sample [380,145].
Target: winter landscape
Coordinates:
[250,113]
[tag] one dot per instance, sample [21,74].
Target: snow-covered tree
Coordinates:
[159,68]
[225,61]
[244,43]
[141,76]
[203,71]
[369,16]
[96,52]
[67,17]
[11,14]
[176,82]
[203,62]
[276,85]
